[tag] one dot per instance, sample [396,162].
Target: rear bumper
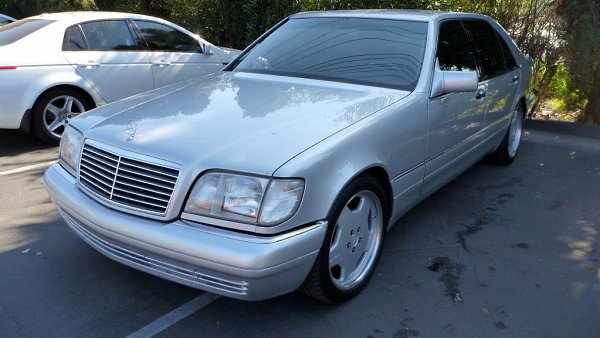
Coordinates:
[236,265]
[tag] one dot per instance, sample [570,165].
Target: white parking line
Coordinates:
[174,316]
[27,168]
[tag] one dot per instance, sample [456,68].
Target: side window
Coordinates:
[161,37]
[488,49]
[113,35]
[508,56]
[74,40]
[454,50]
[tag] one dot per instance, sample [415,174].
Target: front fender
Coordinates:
[393,139]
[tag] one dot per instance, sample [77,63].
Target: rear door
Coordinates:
[176,56]
[107,54]
[499,74]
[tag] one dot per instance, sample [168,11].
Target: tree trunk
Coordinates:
[541,91]
[592,110]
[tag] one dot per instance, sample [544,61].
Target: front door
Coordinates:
[456,119]
[176,56]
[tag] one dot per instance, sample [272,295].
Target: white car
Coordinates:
[56,66]
[5,20]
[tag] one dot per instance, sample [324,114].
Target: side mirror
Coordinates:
[206,48]
[447,81]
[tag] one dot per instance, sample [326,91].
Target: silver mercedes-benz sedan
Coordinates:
[285,170]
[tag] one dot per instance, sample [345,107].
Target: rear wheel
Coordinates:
[353,243]
[54,110]
[508,149]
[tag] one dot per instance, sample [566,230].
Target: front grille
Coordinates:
[127,181]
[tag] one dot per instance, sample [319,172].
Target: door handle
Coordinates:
[161,63]
[515,78]
[89,65]
[481,93]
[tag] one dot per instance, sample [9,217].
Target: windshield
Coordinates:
[20,29]
[385,53]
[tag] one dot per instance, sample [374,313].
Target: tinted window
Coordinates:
[108,35]
[508,56]
[74,39]
[4,21]
[454,50]
[20,29]
[488,48]
[385,53]
[164,38]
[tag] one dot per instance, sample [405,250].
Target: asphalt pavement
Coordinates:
[499,252]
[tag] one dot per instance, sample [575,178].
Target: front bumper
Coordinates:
[236,265]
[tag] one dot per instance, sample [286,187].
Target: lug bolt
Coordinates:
[352,232]
[353,249]
[348,246]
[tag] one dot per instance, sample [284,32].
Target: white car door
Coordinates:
[108,56]
[176,56]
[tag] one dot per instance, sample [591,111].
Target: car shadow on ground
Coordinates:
[13,142]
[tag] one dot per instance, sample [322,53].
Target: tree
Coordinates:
[582,37]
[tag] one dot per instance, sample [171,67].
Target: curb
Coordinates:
[569,128]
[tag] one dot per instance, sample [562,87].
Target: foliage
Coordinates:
[582,36]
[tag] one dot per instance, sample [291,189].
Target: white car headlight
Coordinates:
[248,199]
[70,149]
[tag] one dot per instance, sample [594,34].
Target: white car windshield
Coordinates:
[378,52]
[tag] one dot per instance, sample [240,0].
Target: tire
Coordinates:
[509,147]
[356,242]
[53,111]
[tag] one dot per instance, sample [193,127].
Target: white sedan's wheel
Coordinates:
[59,111]
[54,110]
[353,243]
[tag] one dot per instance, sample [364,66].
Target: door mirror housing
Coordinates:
[448,81]
[206,48]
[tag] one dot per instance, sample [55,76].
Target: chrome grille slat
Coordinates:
[100,164]
[136,186]
[88,179]
[142,195]
[131,177]
[156,169]
[118,196]
[128,169]
[127,181]
[88,167]
[102,153]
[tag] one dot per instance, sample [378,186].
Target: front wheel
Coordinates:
[508,149]
[353,243]
[53,111]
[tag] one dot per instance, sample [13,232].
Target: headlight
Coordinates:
[248,199]
[70,149]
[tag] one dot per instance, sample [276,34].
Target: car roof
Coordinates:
[394,14]
[73,17]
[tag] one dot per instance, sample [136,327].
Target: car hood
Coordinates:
[235,121]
